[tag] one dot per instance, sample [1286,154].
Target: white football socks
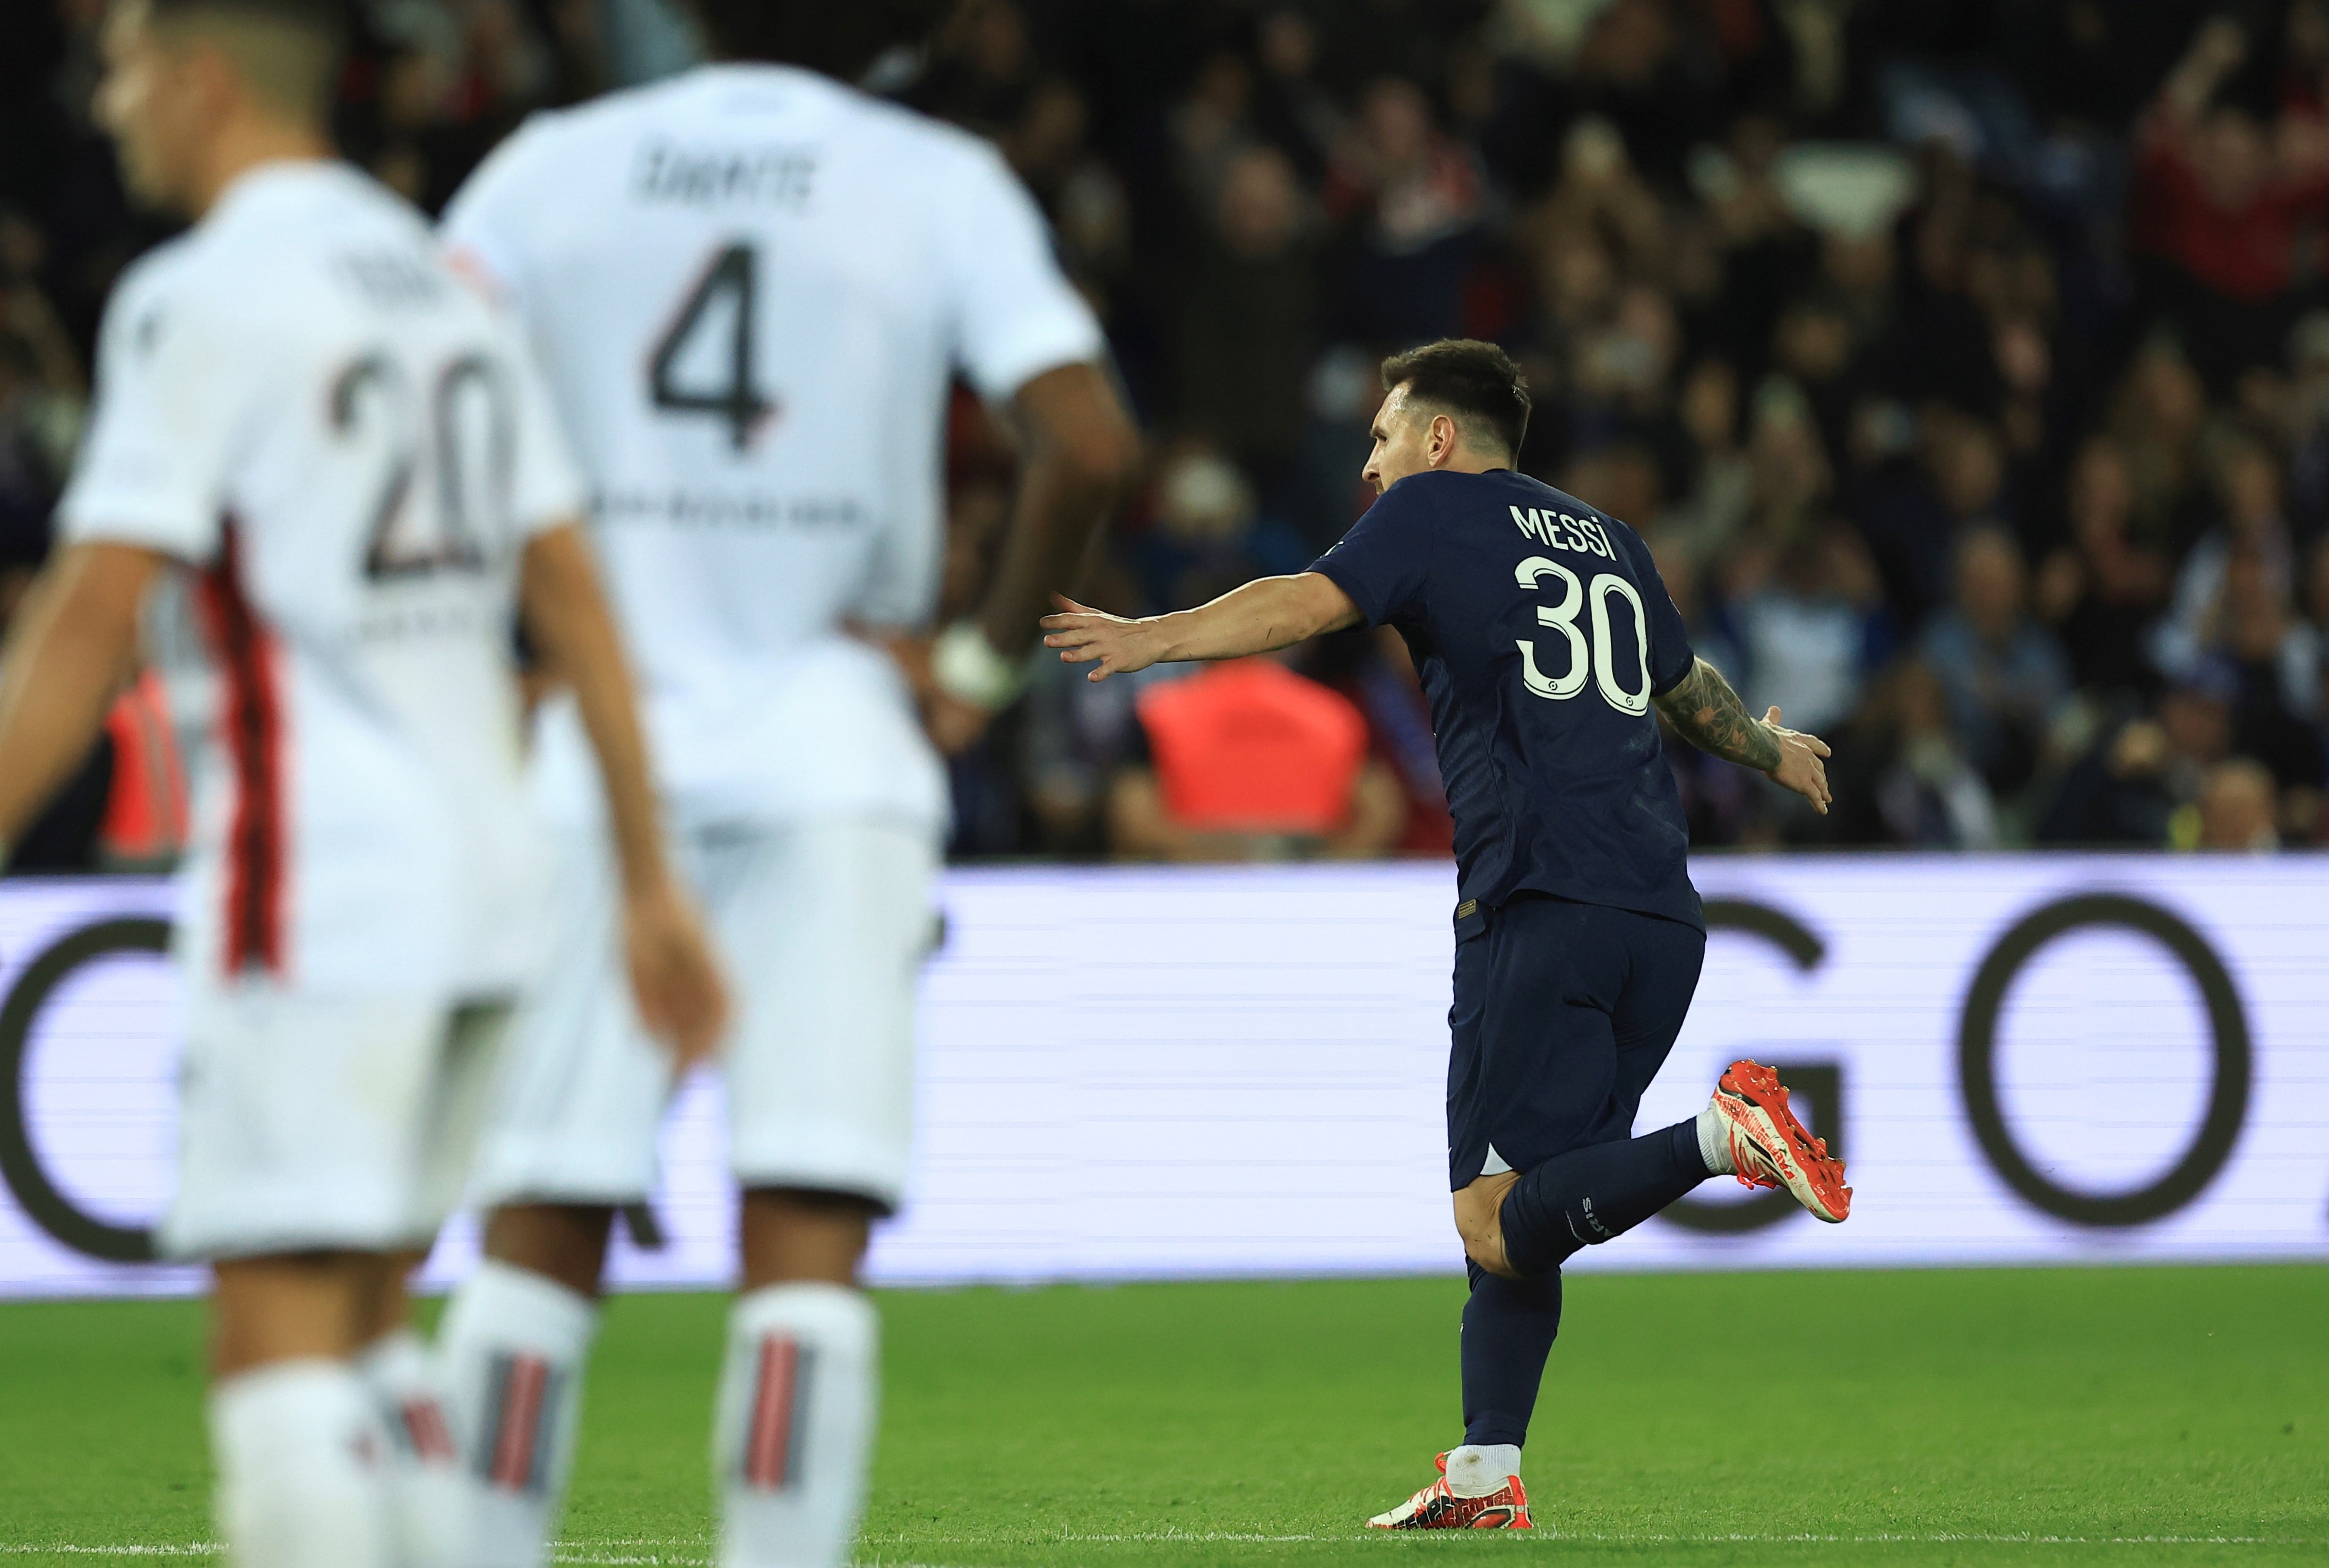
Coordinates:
[300,1481]
[427,1498]
[512,1346]
[1481,1470]
[793,1430]
[1714,1141]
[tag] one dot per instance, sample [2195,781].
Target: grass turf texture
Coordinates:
[1912,1418]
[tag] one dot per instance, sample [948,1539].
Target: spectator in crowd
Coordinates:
[1811,629]
[2002,673]
[1905,778]
[2273,659]
[2248,489]
[1206,533]
[2306,414]
[2222,207]
[2103,591]
[1411,196]
[2130,785]
[2236,810]
[1249,321]
[1791,475]
[1720,485]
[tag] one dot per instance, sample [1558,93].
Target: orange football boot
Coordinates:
[1435,1507]
[1771,1149]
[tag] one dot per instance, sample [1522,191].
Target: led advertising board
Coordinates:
[1149,1074]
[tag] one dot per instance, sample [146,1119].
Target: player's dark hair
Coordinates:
[1472,381]
[290,51]
[841,38]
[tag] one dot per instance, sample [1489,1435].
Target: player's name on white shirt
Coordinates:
[744,509]
[347,445]
[716,174]
[751,289]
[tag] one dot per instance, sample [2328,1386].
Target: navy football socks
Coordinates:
[1586,1196]
[1508,1331]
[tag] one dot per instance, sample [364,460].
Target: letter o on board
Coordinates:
[2228,1101]
[20,1164]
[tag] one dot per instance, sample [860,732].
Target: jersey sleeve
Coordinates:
[176,394]
[484,224]
[1670,656]
[1383,562]
[1014,314]
[546,487]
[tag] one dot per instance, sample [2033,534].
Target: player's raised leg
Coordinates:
[1525,1225]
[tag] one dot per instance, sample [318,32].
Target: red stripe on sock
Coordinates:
[424,1424]
[521,1415]
[769,1437]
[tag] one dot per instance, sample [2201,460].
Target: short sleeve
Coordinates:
[484,222]
[1384,560]
[1670,656]
[546,488]
[175,397]
[1014,314]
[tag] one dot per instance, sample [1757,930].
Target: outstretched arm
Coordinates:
[1272,612]
[68,651]
[1705,712]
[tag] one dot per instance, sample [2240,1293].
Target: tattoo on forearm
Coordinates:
[1710,717]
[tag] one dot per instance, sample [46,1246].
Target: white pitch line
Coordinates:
[692,1553]
[1730,1538]
[199,1549]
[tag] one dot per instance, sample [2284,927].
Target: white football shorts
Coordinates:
[823,927]
[309,1123]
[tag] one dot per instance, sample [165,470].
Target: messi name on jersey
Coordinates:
[1564,531]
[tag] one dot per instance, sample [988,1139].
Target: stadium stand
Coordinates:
[1968,365]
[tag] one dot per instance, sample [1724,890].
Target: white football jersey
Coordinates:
[750,288]
[346,443]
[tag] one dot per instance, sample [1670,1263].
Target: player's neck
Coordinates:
[245,143]
[1464,460]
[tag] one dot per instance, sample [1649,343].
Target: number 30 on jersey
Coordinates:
[1600,663]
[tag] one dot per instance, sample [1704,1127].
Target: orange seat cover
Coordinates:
[1251,747]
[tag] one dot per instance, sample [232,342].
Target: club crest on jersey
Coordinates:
[1562,532]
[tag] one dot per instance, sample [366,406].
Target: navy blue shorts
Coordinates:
[1563,1013]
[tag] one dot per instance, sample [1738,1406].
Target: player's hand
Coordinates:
[952,724]
[1801,766]
[675,979]
[1085,635]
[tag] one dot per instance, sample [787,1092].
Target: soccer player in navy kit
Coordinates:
[1543,637]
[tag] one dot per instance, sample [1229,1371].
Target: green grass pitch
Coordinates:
[2106,1415]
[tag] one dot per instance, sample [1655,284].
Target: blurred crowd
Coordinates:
[1965,363]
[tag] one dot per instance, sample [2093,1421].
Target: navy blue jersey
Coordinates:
[1541,630]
